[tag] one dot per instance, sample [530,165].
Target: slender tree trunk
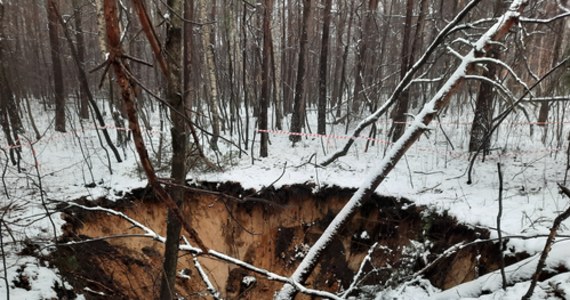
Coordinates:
[361,68]
[277,100]
[399,113]
[209,50]
[343,88]
[299,100]
[56,67]
[178,113]
[84,101]
[265,78]
[544,110]
[244,75]
[482,120]
[286,57]
[322,117]
[6,95]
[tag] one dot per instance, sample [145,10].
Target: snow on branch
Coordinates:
[495,83]
[360,271]
[506,66]
[547,99]
[148,232]
[545,21]
[209,286]
[410,136]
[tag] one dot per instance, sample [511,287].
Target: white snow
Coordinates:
[436,172]
[248,280]
[433,175]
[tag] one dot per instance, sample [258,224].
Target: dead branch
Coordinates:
[548,245]
[499,232]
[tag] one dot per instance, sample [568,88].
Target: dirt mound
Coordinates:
[272,230]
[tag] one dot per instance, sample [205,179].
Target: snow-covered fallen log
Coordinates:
[520,272]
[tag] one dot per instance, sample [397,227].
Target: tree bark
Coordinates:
[299,100]
[101,39]
[172,47]
[482,120]
[265,78]
[209,50]
[83,100]
[56,67]
[6,96]
[323,62]
[399,113]
[366,35]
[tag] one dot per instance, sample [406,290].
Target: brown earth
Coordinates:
[271,230]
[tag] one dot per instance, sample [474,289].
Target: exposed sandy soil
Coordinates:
[271,230]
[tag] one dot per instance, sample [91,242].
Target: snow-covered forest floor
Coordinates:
[433,173]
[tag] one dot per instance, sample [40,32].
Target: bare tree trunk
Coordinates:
[209,50]
[343,82]
[399,113]
[299,101]
[265,78]
[360,71]
[6,96]
[277,100]
[244,75]
[544,110]
[482,120]
[56,67]
[84,101]
[178,114]
[322,118]
[287,57]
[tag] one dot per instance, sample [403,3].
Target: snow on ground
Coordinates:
[433,173]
